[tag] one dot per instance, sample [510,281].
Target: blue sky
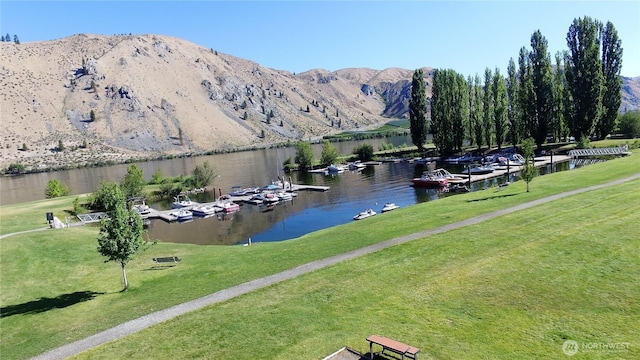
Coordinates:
[466,36]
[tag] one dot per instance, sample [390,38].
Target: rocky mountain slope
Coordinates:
[151,95]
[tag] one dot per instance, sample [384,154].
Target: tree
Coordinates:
[487,103]
[60,145]
[515,128]
[7,37]
[121,231]
[16,40]
[304,155]
[529,170]
[133,182]
[449,110]
[417,110]
[203,175]
[364,152]
[499,107]
[476,111]
[611,66]
[542,87]
[329,153]
[55,189]
[460,113]
[2,39]
[157,177]
[558,127]
[583,71]
[629,124]
[526,94]
[92,116]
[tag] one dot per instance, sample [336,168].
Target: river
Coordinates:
[350,192]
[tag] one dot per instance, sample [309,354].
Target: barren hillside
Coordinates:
[150,95]
[153,95]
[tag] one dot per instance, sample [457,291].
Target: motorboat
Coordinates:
[204,210]
[270,197]
[181,201]
[227,206]
[364,214]
[335,169]
[356,165]
[430,180]
[447,175]
[466,158]
[183,214]
[389,207]
[511,160]
[459,188]
[478,169]
[139,205]
[284,195]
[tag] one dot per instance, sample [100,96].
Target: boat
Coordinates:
[204,210]
[511,160]
[356,165]
[227,206]
[364,214]
[466,158]
[459,188]
[284,195]
[389,207]
[181,201]
[270,197]
[430,180]
[139,205]
[478,169]
[183,214]
[335,169]
[447,175]
[238,191]
[256,199]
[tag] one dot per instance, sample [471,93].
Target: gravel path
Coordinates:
[143,322]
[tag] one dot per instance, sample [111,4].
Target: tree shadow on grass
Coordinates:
[491,197]
[46,304]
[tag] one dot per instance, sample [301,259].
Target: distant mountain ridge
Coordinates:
[153,95]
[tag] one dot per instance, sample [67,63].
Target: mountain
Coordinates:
[153,95]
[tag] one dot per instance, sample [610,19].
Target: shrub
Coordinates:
[55,189]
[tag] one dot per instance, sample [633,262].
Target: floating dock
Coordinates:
[540,161]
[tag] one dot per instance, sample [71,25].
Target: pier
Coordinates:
[540,161]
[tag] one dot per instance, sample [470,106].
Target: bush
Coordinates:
[629,124]
[55,189]
[364,152]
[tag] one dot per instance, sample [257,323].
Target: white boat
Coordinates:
[284,195]
[139,205]
[228,206]
[364,214]
[181,201]
[183,214]
[356,165]
[204,210]
[511,160]
[442,173]
[389,207]
[335,169]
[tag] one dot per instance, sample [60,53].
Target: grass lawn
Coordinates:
[55,287]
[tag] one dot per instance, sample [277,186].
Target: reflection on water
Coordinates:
[350,193]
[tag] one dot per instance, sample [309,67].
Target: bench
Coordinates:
[393,346]
[170,259]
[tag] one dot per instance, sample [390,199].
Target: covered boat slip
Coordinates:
[540,161]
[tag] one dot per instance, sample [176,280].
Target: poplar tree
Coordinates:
[583,71]
[477,111]
[417,110]
[512,107]
[558,126]
[499,107]
[526,95]
[460,110]
[488,116]
[540,61]
[611,66]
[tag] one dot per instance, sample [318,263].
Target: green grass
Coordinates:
[56,289]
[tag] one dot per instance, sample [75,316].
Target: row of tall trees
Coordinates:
[580,97]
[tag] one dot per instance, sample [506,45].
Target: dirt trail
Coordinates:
[143,322]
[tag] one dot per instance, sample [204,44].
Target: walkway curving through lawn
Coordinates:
[157,317]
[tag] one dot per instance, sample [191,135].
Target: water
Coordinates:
[350,193]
